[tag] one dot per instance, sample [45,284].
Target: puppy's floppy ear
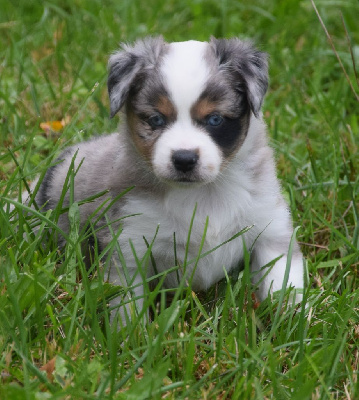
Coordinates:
[123,68]
[127,64]
[248,67]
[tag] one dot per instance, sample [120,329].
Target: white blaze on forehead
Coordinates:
[185,73]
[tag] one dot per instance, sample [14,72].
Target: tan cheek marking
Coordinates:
[143,145]
[143,137]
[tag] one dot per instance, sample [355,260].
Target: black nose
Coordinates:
[184,160]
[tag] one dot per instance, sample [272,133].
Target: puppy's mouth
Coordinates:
[186,180]
[190,179]
[175,178]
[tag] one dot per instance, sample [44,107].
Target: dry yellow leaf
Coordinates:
[54,126]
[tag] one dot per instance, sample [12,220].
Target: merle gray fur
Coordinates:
[246,67]
[127,68]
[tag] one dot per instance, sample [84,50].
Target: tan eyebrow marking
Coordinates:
[165,107]
[202,108]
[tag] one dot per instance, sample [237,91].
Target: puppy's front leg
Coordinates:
[267,250]
[130,304]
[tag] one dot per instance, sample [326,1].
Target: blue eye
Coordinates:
[156,121]
[214,120]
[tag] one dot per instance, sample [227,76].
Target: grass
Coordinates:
[55,338]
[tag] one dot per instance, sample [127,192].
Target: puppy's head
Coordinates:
[188,104]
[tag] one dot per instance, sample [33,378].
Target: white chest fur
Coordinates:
[218,213]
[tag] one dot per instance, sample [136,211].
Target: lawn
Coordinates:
[55,337]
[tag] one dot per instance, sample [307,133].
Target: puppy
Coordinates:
[192,136]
